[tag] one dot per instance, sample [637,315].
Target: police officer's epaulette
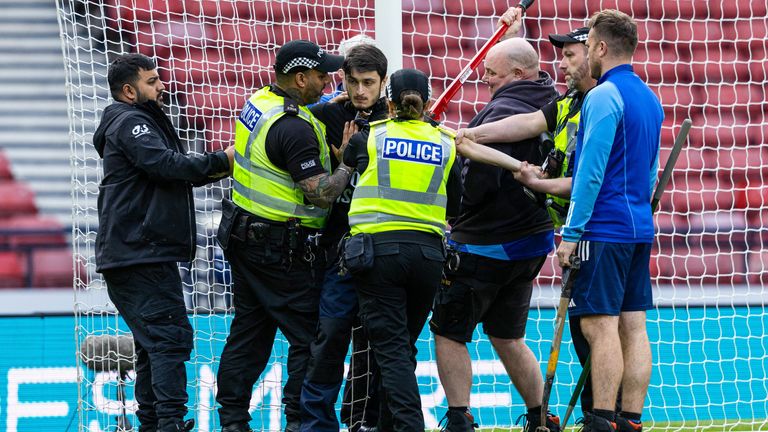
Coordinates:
[447,131]
[376,122]
[290,107]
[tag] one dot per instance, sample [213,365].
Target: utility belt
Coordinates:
[291,240]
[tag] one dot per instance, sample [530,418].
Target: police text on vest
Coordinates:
[413,151]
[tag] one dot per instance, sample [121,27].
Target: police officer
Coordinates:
[146,226]
[397,219]
[280,200]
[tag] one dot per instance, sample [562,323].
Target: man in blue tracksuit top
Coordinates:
[609,224]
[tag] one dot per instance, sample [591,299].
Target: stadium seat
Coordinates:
[743,164]
[757,266]
[11,270]
[722,128]
[696,265]
[678,101]
[16,199]
[697,194]
[659,65]
[52,268]
[427,6]
[160,37]
[735,97]
[216,102]
[547,9]
[672,10]
[29,230]
[219,132]
[5,168]
[475,8]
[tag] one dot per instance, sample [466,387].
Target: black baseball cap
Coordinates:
[577,36]
[306,54]
[408,79]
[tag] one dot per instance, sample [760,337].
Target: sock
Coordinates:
[461,409]
[633,417]
[608,415]
[535,411]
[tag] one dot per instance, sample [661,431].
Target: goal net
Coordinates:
[705,60]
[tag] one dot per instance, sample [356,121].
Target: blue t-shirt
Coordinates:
[615,163]
[532,246]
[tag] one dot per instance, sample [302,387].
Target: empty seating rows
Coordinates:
[33,249]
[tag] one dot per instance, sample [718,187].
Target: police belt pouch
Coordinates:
[358,253]
[229,216]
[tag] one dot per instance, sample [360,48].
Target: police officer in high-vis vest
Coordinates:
[398,218]
[561,119]
[280,199]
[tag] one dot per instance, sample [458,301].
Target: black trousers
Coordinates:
[395,299]
[269,294]
[151,301]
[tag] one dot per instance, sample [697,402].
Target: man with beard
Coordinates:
[146,226]
[365,69]
[501,238]
[283,188]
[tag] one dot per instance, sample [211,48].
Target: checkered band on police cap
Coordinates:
[300,61]
[305,54]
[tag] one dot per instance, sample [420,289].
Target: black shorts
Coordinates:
[485,290]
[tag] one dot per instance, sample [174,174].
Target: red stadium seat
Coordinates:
[416,6]
[216,101]
[11,270]
[719,64]
[742,164]
[5,167]
[546,9]
[697,194]
[219,133]
[683,9]
[52,268]
[27,230]
[16,199]
[694,265]
[737,98]
[475,8]
[657,65]
[678,101]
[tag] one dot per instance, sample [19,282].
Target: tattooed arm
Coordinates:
[323,189]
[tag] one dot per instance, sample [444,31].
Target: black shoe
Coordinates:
[177,426]
[456,421]
[593,423]
[368,429]
[624,425]
[292,426]
[236,427]
[533,421]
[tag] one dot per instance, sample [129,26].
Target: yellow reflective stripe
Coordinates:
[278,204]
[378,217]
[286,181]
[401,195]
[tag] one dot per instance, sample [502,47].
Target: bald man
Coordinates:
[499,242]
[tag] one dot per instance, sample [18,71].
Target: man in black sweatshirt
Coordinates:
[146,226]
[502,238]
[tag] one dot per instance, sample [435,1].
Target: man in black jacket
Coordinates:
[146,226]
[502,238]
[365,70]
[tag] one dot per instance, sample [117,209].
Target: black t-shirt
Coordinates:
[356,155]
[334,116]
[292,145]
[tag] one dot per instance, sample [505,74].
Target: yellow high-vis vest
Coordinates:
[260,187]
[403,187]
[565,141]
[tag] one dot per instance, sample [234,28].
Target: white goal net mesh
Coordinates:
[705,60]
